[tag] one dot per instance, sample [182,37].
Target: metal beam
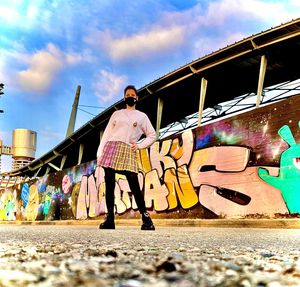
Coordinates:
[262,72]
[47,171]
[292,35]
[174,82]
[81,148]
[18,180]
[35,175]
[63,161]
[149,91]
[50,158]
[254,45]
[7,182]
[56,153]
[15,178]
[101,134]
[193,69]
[229,107]
[54,166]
[34,168]
[202,99]
[160,104]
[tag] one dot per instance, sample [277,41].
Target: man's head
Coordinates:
[130,95]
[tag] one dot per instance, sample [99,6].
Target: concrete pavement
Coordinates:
[83,255]
[224,223]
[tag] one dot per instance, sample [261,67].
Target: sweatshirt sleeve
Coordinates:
[106,134]
[149,132]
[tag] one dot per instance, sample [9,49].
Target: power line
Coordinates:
[86,112]
[91,106]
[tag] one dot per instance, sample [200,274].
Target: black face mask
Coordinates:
[130,101]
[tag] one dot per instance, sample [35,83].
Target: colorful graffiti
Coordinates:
[288,180]
[234,167]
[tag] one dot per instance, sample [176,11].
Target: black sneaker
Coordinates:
[109,223]
[147,222]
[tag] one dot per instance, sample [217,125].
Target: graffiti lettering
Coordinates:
[173,175]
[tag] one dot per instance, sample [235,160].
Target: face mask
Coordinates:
[130,101]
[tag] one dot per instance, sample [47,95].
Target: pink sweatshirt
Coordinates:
[128,126]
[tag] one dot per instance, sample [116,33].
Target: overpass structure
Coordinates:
[241,76]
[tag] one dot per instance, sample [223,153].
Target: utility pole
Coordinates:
[72,120]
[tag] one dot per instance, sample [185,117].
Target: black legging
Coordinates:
[133,181]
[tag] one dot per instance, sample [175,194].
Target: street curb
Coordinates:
[222,223]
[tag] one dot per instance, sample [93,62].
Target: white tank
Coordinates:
[23,144]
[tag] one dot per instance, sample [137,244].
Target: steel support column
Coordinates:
[37,172]
[160,105]
[63,161]
[262,72]
[80,154]
[202,99]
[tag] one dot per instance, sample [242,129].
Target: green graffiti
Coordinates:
[47,204]
[9,208]
[288,180]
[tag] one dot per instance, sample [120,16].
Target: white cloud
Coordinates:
[224,22]
[22,14]
[42,68]
[2,77]
[295,3]
[227,19]
[207,45]
[9,15]
[140,45]
[272,12]
[195,31]
[174,30]
[73,58]
[107,86]
[8,57]
[221,13]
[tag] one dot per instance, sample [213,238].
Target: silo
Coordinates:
[23,147]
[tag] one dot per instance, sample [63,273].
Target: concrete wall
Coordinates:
[245,165]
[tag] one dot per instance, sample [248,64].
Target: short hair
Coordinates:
[130,87]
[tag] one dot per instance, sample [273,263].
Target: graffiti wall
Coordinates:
[243,165]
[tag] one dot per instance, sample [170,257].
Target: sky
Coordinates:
[49,47]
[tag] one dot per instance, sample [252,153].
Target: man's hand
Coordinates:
[98,161]
[134,147]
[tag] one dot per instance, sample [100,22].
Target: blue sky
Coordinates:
[49,47]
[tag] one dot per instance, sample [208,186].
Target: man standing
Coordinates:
[117,153]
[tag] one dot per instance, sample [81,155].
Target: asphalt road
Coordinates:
[50,255]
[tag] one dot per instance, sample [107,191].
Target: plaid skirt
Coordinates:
[119,156]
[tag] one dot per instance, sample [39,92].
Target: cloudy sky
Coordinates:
[48,47]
